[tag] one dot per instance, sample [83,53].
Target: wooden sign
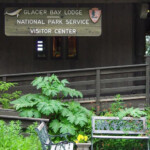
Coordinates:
[53,21]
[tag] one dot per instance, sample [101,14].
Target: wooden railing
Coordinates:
[94,83]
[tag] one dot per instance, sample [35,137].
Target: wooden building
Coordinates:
[122,41]
[118,39]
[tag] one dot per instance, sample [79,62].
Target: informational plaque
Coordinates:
[53,21]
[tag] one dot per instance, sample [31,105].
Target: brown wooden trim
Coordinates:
[148,80]
[88,82]
[72,70]
[88,92]
[128,70]
[24,118]
[122,89]
[112,99]
[97,91]
[114,80]
[4,79]
[76,74]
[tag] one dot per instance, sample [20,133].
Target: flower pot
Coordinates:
[83,146]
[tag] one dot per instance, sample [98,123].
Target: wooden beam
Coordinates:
[112,99]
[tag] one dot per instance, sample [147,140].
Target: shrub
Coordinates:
[118,110]
[64,116]
[6,97]
[12,139]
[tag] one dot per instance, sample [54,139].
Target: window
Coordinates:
[57,47]
[72,47]
[41,51]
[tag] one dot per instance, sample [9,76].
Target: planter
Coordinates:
[83,146]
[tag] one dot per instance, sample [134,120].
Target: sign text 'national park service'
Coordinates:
[53,21]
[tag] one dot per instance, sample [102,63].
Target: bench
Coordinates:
[115,128]
[47,143]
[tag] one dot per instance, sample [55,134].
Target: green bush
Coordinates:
[117,109]
[12,139]
[120,144]
[147,52]
[64,116]
[6,97]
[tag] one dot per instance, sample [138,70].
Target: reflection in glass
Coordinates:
[72,47]
[57,47]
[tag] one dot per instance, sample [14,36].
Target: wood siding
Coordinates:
[116,45]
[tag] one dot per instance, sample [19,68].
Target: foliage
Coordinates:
[131,112]
[147,45]
[5,97]
[12,139]
[147,111]
[120,144]
[53,87]
[64,116]
[118,110]
[72,118]
[116,106]
[82,139]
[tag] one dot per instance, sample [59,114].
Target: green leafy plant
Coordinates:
[11,137]
[131,112]
[117,109]
[72,118]
[120,144]
[115,106]
[147,111]
[6,97]
[147,52]
[64,116]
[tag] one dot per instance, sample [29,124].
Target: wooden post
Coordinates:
[97,91]
[148,80]
[48,74]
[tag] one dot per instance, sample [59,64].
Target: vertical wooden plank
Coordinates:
[97,91]
[148,80]
[4,79]
[48,74]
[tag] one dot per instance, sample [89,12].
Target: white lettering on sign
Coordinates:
[55,12]
[51,21]
[73,12]
[65,31]
[55,21]
[30,21]
[77,21]
[35,12]
[49,31]
[40,31]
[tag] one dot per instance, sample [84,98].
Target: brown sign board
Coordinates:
[53,21]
